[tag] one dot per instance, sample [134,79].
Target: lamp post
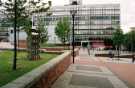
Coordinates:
[132,47]
[73,12]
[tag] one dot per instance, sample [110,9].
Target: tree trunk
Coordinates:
[64,44]
[29,50]
[118,52]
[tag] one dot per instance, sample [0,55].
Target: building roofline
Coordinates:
[90,5]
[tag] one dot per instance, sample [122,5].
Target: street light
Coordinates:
[132,44]
[73,13]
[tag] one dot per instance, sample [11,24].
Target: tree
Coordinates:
[130,37]
[34,7]
[42,31]
[23,15]
[118,39]
[24,12]
[20,9]
[15,12]
[62,30]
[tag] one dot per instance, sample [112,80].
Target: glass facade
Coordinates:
[91,21]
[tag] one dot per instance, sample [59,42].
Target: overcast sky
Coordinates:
[127,10]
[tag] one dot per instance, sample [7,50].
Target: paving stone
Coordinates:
[88,68]
[98,82]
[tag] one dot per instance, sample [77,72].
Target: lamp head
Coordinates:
[74,3]
[73,11]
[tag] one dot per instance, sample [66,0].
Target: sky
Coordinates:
[127,10]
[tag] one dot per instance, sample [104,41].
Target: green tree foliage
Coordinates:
[39,6]
[62,29]
[118,39]
[34,7]
[129,40]
[42,30]
[0,3]
[21,12]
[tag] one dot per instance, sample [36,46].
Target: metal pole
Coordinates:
[73,37]
[15,22]
[132,47]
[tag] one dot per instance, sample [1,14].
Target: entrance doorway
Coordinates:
[85,44]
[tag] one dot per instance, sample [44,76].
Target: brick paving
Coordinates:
[123,69]
[126,72]
[4,45]
[94,72]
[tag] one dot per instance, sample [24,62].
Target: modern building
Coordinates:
[94,23]
[3,27]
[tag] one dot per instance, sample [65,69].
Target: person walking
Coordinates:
[133,58]
[88,48]
[83,46]
[110,54]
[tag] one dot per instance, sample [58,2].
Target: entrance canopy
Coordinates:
[85,43]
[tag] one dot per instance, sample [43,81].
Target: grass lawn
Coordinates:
[23,65]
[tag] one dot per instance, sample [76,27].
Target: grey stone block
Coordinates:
[93,81]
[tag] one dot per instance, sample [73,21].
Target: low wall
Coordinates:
[54,48]
[45,75]
[54,52]
[102,55]
[57,50]
[125,56]
[22,44]
[107,55]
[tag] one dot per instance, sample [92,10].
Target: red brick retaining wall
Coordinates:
[49,78]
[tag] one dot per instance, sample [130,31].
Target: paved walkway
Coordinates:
[5,45]
[92,72]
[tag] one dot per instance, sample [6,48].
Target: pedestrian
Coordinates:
[88,48]
[133,58]
[110,54]
[83,46]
